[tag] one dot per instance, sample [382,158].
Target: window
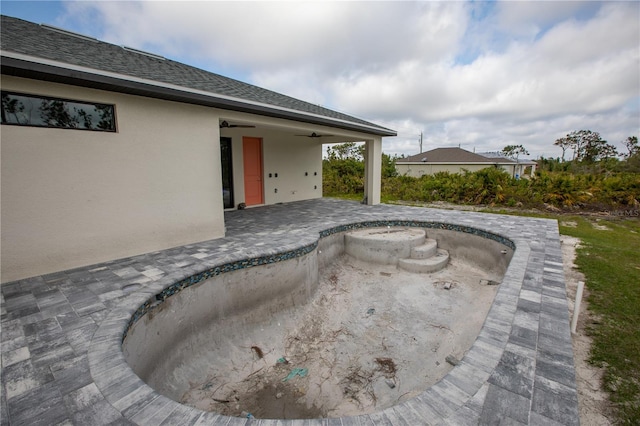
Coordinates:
[41,111]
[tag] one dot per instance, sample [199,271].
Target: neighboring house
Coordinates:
[456,160]
[109,152]
[521,168]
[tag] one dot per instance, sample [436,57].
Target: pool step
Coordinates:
[426,250]
[408,248]
[383,245]
[425,265]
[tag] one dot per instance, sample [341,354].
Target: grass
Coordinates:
[610,261]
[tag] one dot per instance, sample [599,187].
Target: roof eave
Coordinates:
[29,67]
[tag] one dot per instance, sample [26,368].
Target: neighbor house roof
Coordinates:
[501,156]
[451,156]
[49,53]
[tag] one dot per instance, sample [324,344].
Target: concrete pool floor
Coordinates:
[60,360]
[360,313]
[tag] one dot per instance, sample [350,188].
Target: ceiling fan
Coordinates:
[315,135]
[225,125]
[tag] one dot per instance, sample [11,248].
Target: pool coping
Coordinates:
[519,369]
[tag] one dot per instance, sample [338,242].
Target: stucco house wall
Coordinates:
[299,169]
[74,197]
[509,168]
[522,170]
[421,169]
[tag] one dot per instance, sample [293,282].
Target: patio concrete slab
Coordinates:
[62,363]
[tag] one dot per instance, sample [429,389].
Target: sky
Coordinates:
[479,75]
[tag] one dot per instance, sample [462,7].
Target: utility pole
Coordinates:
[420,142]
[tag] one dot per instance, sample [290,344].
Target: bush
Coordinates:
[555,183]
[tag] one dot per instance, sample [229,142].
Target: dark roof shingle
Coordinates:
[450,155]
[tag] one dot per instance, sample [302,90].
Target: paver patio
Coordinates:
[61,332]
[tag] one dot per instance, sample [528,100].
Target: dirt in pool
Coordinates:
[372,336]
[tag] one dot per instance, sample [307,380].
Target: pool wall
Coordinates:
[167,336]
[487,254]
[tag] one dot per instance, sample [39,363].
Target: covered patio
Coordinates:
[62,333]
[291,156]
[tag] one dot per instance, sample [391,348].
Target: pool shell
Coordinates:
[472,393]
[329,250]
[159,340]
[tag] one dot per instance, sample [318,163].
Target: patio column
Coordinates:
[373,170]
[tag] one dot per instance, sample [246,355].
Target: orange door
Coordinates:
[252,154]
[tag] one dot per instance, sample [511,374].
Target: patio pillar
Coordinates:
[373,170]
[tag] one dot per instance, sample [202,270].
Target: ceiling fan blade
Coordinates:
[225,125]
[315,135]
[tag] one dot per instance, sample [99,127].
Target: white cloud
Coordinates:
[481,75]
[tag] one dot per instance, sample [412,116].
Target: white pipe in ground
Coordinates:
[576,307]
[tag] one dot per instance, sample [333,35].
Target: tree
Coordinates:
[564,143]
[632,146]
[591,147]
[607,151]
[388,166]
[514,151]
[588,146]
[346,151]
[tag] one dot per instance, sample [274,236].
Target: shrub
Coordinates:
[553,184]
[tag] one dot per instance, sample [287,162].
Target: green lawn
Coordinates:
[610,261]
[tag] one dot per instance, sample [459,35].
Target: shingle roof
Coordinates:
[450,155]
[60,56]
[501,156]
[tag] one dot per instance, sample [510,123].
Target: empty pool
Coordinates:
[368,317]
